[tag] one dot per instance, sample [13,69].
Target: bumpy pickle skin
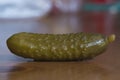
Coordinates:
[72,46]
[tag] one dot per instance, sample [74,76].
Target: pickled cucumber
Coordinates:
[72,46]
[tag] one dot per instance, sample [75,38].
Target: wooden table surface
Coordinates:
[103,67]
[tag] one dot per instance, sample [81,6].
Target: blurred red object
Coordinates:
[102,1]
[98,1]
[101,22]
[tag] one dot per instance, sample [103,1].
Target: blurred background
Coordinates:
[79,15]
[39,8]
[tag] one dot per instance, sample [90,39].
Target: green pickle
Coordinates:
[72,46]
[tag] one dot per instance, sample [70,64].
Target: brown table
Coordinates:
[103,67]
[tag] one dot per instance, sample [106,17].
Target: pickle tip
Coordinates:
[111,38]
